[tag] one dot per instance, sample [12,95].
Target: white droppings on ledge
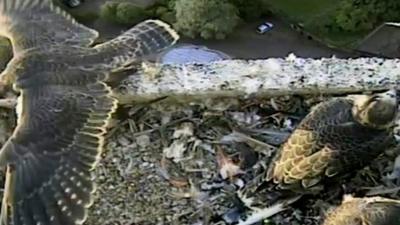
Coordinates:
[273,77]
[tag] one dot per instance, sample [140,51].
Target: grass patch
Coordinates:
[314,15]
[303,10]
[342,38]
[5,52]
[85,17]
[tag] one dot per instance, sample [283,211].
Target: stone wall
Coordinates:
[264,77]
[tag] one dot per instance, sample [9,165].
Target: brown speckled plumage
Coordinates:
[337,137]
[326,143]
[63,108]
[365,211]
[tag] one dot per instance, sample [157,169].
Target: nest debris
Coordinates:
[181,164]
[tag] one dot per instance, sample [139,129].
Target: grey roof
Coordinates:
[383,41]
[187,53]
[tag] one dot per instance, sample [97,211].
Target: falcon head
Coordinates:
[378,110]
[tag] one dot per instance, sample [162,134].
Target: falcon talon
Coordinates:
[9,103]
[151,70]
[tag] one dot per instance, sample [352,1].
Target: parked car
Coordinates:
[264,27]
[72,3]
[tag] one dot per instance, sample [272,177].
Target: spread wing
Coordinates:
[52,151]
[146,38]
[326,143]
[35,23]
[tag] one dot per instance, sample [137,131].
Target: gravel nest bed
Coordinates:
[180,164]
[165,164]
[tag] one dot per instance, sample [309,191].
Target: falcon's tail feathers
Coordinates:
[62,201]
[60,192]
[146,38]
[28,24]
[153,36]
[7,196]
[17,6]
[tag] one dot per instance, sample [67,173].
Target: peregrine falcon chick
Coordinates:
[365,211]
[63,108]
[337,137]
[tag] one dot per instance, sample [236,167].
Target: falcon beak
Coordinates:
[389,97]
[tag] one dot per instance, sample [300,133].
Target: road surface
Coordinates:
[244,43]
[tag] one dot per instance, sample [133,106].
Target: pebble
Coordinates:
[123,141]
[143,141]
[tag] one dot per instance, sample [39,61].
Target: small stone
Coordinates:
[143,141]
[123,141]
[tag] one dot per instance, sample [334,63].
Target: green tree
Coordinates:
[170,4]
[362,15]
[125,13]
[250,10]
[205,18]
[5,52]
[109,11]
[164,13]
